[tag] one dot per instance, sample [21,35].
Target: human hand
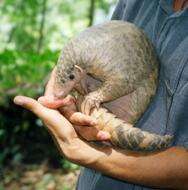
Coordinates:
[64,134]
[83,124]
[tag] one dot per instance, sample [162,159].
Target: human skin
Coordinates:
[164,169]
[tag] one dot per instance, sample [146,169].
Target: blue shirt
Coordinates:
[168,112]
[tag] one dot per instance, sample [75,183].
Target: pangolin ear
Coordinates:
[79,69]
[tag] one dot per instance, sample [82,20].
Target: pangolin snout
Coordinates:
[62,91]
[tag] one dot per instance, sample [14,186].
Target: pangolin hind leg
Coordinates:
[123,134]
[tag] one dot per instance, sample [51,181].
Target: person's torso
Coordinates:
[168,111]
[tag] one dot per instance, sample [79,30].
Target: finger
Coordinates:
[103,135]
[50,84]
[50,102]
[30,104]
[78,118]
[52,118]
[89,134]
[92,134]
[47,115]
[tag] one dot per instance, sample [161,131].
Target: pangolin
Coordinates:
[120,56]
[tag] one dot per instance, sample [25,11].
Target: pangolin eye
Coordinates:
[71,76]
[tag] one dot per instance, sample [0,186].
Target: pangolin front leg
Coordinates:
[109,90]
[95,98]
[92,100]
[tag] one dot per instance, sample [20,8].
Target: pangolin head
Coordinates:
[66,78]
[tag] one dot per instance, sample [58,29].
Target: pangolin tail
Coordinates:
[125,136]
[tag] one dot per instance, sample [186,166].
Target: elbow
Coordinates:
[178,174]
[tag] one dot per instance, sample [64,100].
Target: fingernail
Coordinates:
[103,135]
[40,99]
[18,100]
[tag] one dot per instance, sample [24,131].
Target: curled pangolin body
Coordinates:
[121,57]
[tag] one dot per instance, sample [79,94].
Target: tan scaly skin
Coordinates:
[120,56]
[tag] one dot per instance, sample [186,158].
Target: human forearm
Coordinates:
[166,169]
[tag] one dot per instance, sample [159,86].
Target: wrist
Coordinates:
[83,153]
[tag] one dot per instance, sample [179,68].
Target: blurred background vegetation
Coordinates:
[32,33]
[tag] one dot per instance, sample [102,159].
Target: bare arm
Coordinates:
[166,169]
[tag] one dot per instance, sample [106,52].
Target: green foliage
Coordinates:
[23,17]
[66,165]
[105,5]
[32,34]
[24,73]
[1,186]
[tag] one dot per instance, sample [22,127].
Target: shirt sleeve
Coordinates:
[118,13]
